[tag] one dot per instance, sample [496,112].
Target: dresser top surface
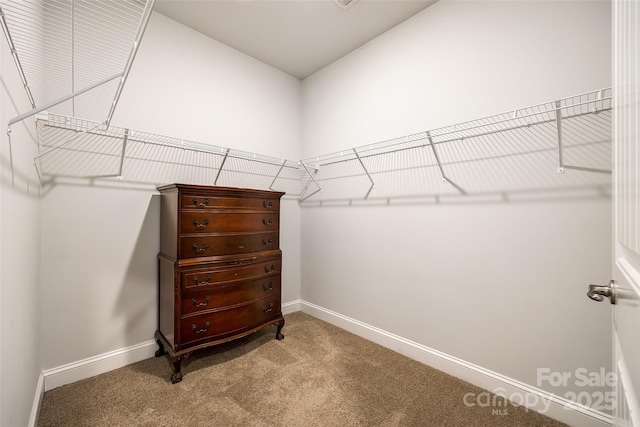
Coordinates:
[226,191]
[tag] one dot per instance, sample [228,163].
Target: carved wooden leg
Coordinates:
[160,351]
[280,325]
[176,377]
[176,361]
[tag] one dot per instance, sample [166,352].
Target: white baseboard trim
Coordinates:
[291,306]
[37,401]
[96,365]
[106,362]
[556,407]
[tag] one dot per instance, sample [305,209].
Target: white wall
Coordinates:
[20,302]
[499,285]
[100,238]
[453,62]
[187,85]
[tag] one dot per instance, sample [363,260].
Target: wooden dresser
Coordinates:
[219,267]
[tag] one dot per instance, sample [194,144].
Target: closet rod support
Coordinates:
[224,159]
[125,138]
[435,154]
[305,198]
[35,165]
[60,100]
[456,186]
[311,178]
[445,179]
[561,166]
[365,171]
[275,178]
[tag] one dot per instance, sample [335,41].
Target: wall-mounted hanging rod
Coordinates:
[146,15]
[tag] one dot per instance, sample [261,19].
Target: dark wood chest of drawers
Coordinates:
[219,267]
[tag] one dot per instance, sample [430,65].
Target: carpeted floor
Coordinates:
[319,375]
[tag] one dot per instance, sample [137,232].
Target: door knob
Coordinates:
[599,292]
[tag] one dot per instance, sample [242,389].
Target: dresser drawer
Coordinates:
[227,322]
[227,244]
[202,201]
[215,222]
[229,273]
[219,265]
[233,293]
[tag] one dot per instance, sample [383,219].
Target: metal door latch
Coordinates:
[599,292]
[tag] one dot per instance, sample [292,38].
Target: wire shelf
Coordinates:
[63,47]
[73,147]
[565,144]
[88,47]
[524,150]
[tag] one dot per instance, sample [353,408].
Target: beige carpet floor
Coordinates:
[319,375]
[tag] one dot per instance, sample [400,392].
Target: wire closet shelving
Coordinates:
[80,51]
[558,145]
[76,148]
[89,46]
[554,146]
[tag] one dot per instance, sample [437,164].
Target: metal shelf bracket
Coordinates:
[311,178]
[224,159]
[365,171]
[562,167]
[275,178]
[445,179]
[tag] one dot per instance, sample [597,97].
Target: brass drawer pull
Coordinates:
[200,205]
[195,329]
[267,205]
[266,309]
[243,261]
[201,250]
[268,269]
[208,282]
[200,226]
[267,221]
[267,242]
[268,287]
[201,304]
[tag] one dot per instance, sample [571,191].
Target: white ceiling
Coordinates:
[298,37]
